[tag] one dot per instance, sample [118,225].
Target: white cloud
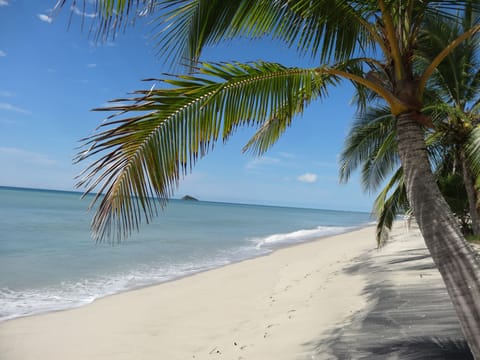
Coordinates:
[24,156]
[308,178]
[79,12]
[2,53]
[10,107]
[3,2]
[91,66]
[45,18]
[262,161]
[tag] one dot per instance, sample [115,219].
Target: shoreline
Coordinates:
[333,298]
[274,299]
[270,250]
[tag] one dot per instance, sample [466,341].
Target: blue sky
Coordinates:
[52,75]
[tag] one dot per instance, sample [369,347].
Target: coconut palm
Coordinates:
[455,135]
[370,145]
[453,98]
[455,90]
[145,150]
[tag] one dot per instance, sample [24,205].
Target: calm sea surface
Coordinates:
[49,262]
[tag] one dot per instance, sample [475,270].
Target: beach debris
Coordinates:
[215,351]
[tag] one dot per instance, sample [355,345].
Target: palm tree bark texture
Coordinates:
[452,255]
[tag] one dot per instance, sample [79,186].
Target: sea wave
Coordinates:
[71,294]
[298,236]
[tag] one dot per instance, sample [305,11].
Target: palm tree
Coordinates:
[370,145]
[455,135]
[370,43]
[455,90]
[453,101]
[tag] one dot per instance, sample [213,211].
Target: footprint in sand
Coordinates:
[268,327]
[290,313]
[243,347]
[215,351]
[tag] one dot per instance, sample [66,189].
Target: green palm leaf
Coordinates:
[388,204]
[370,144]
[324,28]
[109,16]
[143,157]
[472,151]
[456,79]
[271,130]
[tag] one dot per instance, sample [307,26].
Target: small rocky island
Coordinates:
[189,198]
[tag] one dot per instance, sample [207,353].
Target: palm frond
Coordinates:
[274,127]
[108,17]
[323,28]
[141,158]
[369,142]
[472,151]
[388,204]
[455,79]
[381,164]
[373,71]
[111,15]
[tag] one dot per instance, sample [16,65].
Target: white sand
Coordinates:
[274,307]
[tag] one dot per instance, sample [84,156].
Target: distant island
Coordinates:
[189,198]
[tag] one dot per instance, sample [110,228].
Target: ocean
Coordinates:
[48,261]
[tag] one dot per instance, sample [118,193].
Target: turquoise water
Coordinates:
[49,262]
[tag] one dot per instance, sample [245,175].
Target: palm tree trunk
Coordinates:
[471,194]
[453,257]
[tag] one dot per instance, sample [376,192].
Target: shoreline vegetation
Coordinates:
[335,297]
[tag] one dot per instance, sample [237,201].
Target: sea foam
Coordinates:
[71,294]
[299,236]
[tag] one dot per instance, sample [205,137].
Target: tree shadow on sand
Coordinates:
[429,349]
[410,318]
[413,349]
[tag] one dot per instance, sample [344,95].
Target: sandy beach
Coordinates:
[333,298]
